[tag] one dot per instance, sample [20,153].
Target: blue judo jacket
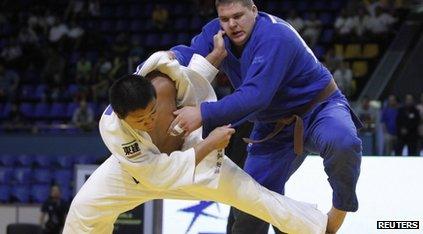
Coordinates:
[276,73]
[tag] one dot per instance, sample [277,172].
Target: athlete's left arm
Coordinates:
[272,59]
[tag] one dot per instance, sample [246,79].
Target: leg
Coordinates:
[387,147]
[230,221]
[269,171]
[392,144]
[399,146]
[236,188]
[236,151]
[332,133]
[412,147]
[108,192]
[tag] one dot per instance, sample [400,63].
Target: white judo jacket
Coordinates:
[135,150]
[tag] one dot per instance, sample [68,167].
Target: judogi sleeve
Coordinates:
[272,59]
[201,44]
[203,67]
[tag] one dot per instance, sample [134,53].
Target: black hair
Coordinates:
[130,93]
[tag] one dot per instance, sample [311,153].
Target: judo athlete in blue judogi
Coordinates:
[291,98]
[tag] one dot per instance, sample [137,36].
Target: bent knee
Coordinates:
[349,145]
[344,150]
[85,216]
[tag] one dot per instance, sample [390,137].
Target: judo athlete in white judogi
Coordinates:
[138,171]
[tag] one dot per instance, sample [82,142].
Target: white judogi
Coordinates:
[111,189]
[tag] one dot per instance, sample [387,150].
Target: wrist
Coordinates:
[215,57]
[219,53]
[209,144]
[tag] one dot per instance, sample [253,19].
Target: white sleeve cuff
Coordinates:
[200,65]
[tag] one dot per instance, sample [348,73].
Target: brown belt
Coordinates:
[295,116]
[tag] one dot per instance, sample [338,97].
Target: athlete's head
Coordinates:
[55,192]
[237,18]
[392,100]
[133,99]
[409,100]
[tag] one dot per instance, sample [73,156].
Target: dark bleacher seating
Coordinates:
[21,193]
[40,91]
[40,192]
[6,175]
[1,110]
[195,23]
[121,12]
[6,110]
[43,161]
[327,36]
[107,25]
[7,160]
[27,92]
[57,111]
[42,110]
[319,51]
[181,24]
[27,109]
[63,177]
[135,11]
[25,160]
[319,5]
[101,108]
[27,178]
[4,193]
[336,5]
[122,25]
[71,108]
[42,176]
[85,159]
[326,18]
[183,38]
[22,175]
[152,39]
[67,193]
[167,40]
[301,5]
[64,161]
[287,5]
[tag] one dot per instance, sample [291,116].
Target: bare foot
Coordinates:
[335,219]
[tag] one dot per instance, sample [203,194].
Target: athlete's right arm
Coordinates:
[201,44]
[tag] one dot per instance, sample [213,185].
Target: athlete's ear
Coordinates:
[254,9]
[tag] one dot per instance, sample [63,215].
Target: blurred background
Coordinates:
[58,59]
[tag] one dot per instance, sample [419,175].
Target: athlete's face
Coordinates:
[143,119]
[237,21]
[55,192]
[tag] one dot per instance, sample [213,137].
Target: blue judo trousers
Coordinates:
[272,162]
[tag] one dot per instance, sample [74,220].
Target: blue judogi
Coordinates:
[275,74]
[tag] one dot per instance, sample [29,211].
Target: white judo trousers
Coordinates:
[112,190]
